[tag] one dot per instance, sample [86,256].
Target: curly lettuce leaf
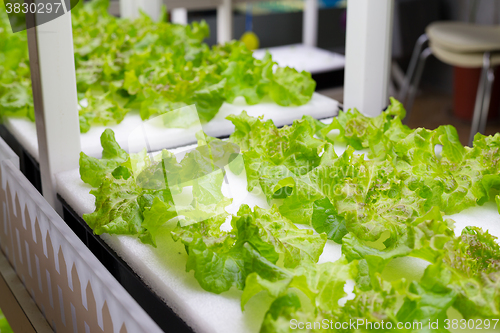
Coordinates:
[375,133]
[93,170]
[497,199]
[135,195]
[152,67]
[274,157]
[220,260]
[256,242]
[246,76]
[473,261]
[424,237]
[323,284]
[363,193]
[4,324]
[117,210]
[296,245]
[16,100]
[155,218]
[383,301]
[486,150]
[326,219]
[289,87]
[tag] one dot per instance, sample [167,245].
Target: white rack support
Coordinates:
[225,22]
[180,16]
[127,8]
[55,100]
[310,23]
[368,55]
[47,267]
[132,8]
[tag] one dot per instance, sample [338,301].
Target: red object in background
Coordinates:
[465,86]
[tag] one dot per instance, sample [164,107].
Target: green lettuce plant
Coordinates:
[148,67]
[4,324]
[384,204]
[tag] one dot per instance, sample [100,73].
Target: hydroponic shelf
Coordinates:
[24,131]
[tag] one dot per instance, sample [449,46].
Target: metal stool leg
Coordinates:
[416,80]
[480,98]
[405,87]
[490,77]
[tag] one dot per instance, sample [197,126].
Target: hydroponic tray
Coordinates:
[24,131]
[326,68]
[304,58]
[27,164]
[163,274]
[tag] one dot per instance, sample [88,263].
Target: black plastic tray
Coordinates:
[154,306]
[330,79]
[27,164]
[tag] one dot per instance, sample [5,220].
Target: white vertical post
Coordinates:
[128,8]
[152,8]
[54,94]
[368,55]
[225,22]
[180,16]
[131,8]
[310,23]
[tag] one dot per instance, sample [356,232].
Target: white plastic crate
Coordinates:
[70,286]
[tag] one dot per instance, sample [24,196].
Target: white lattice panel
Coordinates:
[69,285]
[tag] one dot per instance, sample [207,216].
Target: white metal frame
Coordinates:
[310,23]
[55,100]
[368,55]
[73,289]
[225,22]
[132,8]
[180,16]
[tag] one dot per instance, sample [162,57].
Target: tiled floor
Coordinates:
[432,109]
